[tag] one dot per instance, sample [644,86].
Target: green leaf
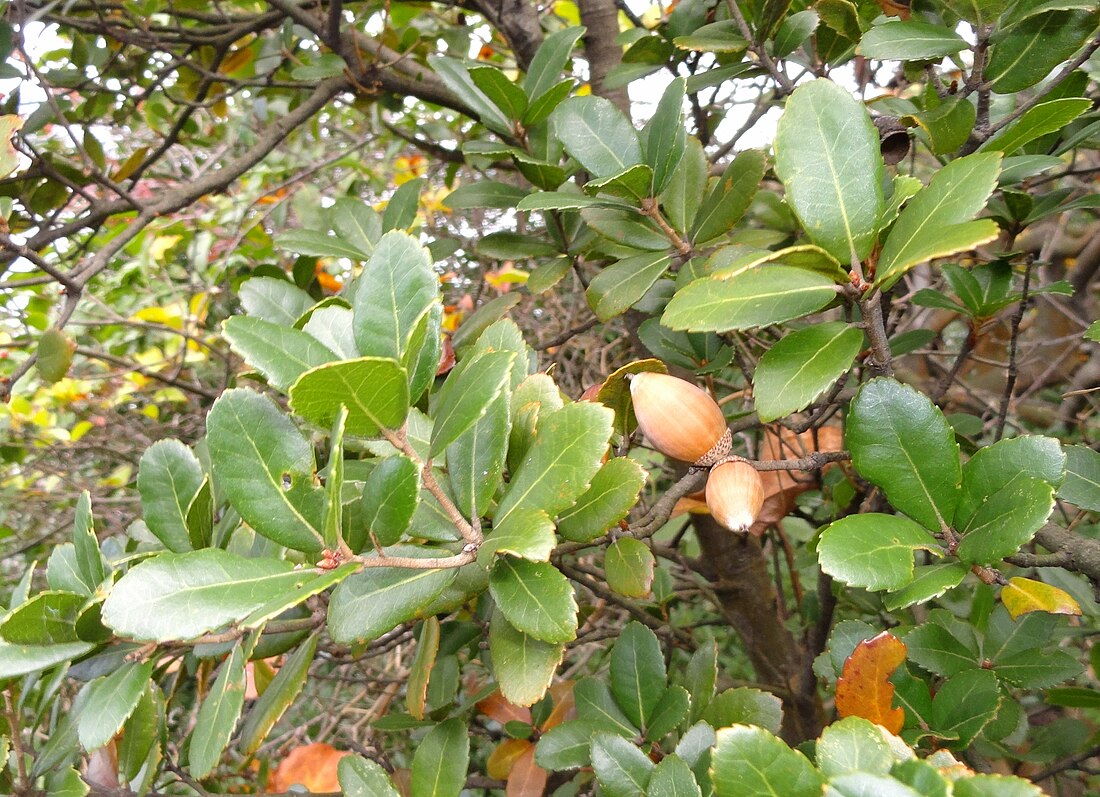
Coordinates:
[621,768]
[334,483]
[1037,669]
[1008,519]
[475,461]
[853,745]
[374,601]
[332,326]
[526,533]
[549,60]
[356,222]
[922,776]
[310,585]
[745,706]
[638,675]
[873,551]
[614,490]
[562,200]
[932,224]
[397,287]
[910,40]
[670,713]
[314,243]
[182,596]
[597,134]
[141,732]
[566,746]
[522,665]
[793,32]
[420,671]
[535,598]
[218,715]
[935,647]
[539,110]
[561,461]
[49,618]
[1025,54]
[701,675]
[374,389]
[715,37]
[265,468]
[502,92]
[1082,484]
[486,316]
[632,184]
[755,298]
[19,660]
[827,155]
[506,245]
[994,786]
[441,759]
[274,300]
[626,228]
[901,442]
[683,195]
[802,366]
[616,288]
[485,194]
[89,559]
[861,784]
[1037,121]
[361,777]
[730,197]
[664,136]
[278,697]
[672,778]
[948,126]
[200,516]
[390,497]
[964,705]
[455,75]
[629,567]
[401,208]
[280,353]
[55,354]
[466,395]
[929,581]
[110,701]
[750,762]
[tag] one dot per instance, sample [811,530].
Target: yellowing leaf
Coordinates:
[502,759]
[169,316]
[55,355]
[1023,595]
[237,60]
[161,244]
[506,276]
[9,158]
[583,90]
[130,165]
[80,428]
[864,688]
[567,10]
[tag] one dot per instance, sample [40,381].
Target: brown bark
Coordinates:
[736,566]
[601,18]
[518,20]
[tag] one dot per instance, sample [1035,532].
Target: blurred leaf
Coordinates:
[361,777]
[48,618]
[9,158]
[730,197]
[427,647]
[853,744]
[1025,54]
[274,300]
[1082,484]
[485,194]
[910,40]
[745,706]
[549,61]
[55,348]
[629,567]
[621,768]
[964,705]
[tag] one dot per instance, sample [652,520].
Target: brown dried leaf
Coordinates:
[504,757]
[312,765]
[497,708]
[864,688]
[527,778]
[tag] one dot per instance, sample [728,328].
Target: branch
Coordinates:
[1068,549]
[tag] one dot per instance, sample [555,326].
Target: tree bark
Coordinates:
[518,20]
[601,18]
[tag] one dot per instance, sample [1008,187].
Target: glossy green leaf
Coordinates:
[632,184]
[638,674]
[314,243]
[629,565]
[802,366]
[794,31]
[310,584]
[673,710]
[182,596]
[1082,484]
[1037,669]
[935,222]
[334,483]
[89,558]
[761,296]
[1005,521]
[526,533]
[929,581]
[672,777]
[141,732]
[995,467]
[522,665]
[901,442]
[730,197]
[356,222]
[873,551]
[274,300]
[503,93]
[200,516]
[561,461]
[540,108]
[614,490]
[683,195]
[597,134]
[750,762]
[277,698]
[1037,121]
[562,200]
[218,715]
[280,353]
[535,598]
[853,745]
[1027,53]
[964,705]
[715,37]
[566,746]
[110,701]
[476,459]
[19,660]
[745,706]
[361,777]
[627,228]
[374,389]
[948,126]
[374,601]
[466,395]
[619,286]
[827,155]
[441,759]
[63,573]
[549,61]
[390,497]
[48,618]
[860,784]
[621,768]
[485,194]
[420,671]
[265,468]
[910,40]
[994,786]
[332,325]
[596,704]
[701,676]
[664,137]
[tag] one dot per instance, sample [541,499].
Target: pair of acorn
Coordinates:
[683,422]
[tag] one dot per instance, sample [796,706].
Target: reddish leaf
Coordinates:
[312,766]
[497,708]
[527,779]
[864,689]
[562,693]
[504,757]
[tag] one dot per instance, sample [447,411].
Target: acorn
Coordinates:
[679,419]
[735,494]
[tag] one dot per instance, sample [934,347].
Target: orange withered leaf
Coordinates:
[527,779]
[312,766]
[864,688]
[497,708]
[504,757]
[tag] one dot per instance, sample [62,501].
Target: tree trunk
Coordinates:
[601,18]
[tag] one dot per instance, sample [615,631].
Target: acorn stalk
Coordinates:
[679,419]
[735,494]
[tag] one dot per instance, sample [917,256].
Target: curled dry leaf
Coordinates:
[864,688]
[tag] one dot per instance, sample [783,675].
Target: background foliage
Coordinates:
[320,464]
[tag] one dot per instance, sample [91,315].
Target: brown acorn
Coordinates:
[679,419]
[735,494]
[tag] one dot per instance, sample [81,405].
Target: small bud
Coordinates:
[679,419]
[735,494]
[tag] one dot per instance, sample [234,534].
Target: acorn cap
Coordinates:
[678,418]
[735,494]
